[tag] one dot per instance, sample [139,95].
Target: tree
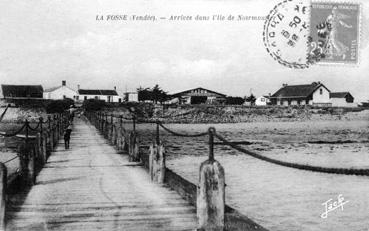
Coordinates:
[143,94]
[250,99]
[155,94]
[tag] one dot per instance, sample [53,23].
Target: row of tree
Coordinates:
[158,95]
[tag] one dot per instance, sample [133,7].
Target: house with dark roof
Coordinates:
[199,96]
[342,99]
[315,94]
[100,94]
[22,91]
[60,92]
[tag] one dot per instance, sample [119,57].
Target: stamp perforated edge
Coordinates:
[359,33]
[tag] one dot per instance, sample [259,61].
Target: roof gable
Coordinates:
[59,87]
[339,94]
[24,91]
[200,90]
[298,91]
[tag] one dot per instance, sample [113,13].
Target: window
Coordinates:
[85,98]
[321,91]
[262,99]
[77,97]
[64,97]
[96,97]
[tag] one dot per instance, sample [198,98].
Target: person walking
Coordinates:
[67,133]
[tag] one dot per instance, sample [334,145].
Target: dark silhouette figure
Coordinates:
[67,133]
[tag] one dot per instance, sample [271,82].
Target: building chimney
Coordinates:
[285,85]
[115,88]
[78,86]
[64,82]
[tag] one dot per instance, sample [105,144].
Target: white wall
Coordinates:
[132,97]
[60,92]
[114,98]
[321,98]
[341,102]
[261,101]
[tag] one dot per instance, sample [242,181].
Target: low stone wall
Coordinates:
[234,220]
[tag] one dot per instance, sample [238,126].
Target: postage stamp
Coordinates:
[299,33]
[286,32]
[334,33]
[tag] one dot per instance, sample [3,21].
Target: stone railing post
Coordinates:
[3,186]
[211,192]
[157,163]
[133,147]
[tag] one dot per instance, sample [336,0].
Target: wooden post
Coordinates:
[3,186]
[118,137]
[106,131]
[134,123]
[114,134]
[44,146]
[211,192]
[55,129]
[31,173]
[157,163]
[110,136]
[40,148]
[43,142]
[133,147]
[157,133]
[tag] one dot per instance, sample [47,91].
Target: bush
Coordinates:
[58,106]
[234,100]
[93,104]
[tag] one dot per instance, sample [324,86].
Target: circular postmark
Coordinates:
[286,33]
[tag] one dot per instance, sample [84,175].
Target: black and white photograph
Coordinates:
[184,115]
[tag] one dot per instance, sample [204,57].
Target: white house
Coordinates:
[100,94]
[262,100]
[60,92]
[342,99]
[315,94]
[131,96]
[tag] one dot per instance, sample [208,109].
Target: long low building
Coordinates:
[342,99]
[198,96]
[100,94]
[307,94]
[22,91]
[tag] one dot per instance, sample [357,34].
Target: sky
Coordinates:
[45,42]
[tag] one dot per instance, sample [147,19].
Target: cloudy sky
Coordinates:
[44,42]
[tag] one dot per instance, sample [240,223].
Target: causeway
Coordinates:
[92,187]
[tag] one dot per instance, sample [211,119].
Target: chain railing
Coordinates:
[33,150]
[4,112]
[112,128]
[35,137]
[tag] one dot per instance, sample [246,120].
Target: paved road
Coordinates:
[91,187]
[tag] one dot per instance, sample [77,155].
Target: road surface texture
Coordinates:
[91,187]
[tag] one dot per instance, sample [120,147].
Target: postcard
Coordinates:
[184,115]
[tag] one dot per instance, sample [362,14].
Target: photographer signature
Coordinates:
[331,205]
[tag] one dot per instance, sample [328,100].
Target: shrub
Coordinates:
[58,106]
[93,104]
